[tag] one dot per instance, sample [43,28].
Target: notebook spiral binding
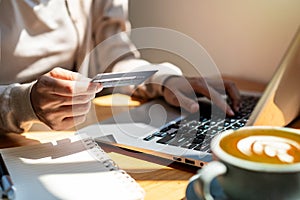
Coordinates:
[99,154]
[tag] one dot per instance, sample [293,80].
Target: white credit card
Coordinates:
[123,78]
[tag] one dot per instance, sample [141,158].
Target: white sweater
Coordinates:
[37,36]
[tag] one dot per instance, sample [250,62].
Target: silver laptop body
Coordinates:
[137,129]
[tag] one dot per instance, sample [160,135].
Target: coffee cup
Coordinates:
[256,162]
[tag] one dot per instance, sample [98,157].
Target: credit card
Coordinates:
[122,78]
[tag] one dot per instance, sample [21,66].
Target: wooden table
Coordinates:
[159,178]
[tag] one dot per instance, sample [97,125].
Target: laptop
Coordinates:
[159,129]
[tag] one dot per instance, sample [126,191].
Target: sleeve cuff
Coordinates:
[20,104]
[165,71]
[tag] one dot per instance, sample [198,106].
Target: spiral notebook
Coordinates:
[70,169]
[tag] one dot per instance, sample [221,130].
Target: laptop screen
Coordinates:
[280,103]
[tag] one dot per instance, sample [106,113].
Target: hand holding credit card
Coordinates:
[123,78]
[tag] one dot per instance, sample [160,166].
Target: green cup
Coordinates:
[257,162]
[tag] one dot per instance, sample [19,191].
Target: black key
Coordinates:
[198,140]
[175,126]
[244,120]
[150,137]
[201,135]
[166,139]
[165,129]
[178,141]
[160,134]
[240,124]
[226,124]
[198,147]
[203,119]
[235,126]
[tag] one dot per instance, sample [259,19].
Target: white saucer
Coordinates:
[215,189]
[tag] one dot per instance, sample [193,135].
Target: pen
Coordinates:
[8,188]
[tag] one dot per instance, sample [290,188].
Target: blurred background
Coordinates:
[246,39]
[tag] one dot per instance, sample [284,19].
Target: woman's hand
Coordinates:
[62,98]
[181,91]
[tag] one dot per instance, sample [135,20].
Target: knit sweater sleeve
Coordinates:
[16,112]
[115,52]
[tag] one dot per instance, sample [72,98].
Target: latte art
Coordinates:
[273,147]
[263,146]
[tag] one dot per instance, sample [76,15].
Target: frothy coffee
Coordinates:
[266,146]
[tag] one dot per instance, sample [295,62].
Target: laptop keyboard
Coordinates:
[197,130]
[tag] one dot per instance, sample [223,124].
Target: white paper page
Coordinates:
[67,171]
